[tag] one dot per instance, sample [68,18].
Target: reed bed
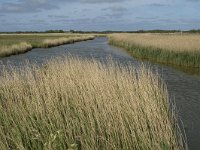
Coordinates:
[20,43]
[176,49]
[15,49]
[60,41]
[71,103]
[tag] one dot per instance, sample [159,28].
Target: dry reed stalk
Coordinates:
[73,103]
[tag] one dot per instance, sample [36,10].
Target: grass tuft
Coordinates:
[60,41]
[15,49]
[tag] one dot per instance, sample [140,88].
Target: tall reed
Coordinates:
[180,50]
[60,41]
[15,49]
[71,103]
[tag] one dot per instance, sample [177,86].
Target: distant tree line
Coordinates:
[48,31]
[138,31]
[108,31]
[55,31]
[193,31]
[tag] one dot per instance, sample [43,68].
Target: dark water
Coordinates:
[183,87]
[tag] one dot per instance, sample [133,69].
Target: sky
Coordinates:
[99,15]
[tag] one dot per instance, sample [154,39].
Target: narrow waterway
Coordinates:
[183,88]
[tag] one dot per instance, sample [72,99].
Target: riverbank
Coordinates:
[21,43]
[73,103]
[175,49]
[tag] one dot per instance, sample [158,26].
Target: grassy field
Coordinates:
[176,49]
[72,104]
[11,44]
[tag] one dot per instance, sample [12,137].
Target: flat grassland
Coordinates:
[177,49]
[83,104]
[11,44]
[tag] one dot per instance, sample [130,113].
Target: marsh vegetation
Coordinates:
[11,44]
[71,103]
[177,49]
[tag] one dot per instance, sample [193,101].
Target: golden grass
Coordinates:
[71,103]
[172,42]
[61,41]
[175,49]
[15,49]
[11,44]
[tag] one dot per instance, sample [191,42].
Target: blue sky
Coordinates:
[40,15]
